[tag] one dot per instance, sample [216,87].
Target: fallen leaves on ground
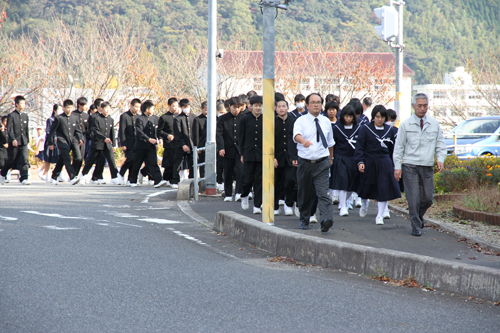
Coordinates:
[290,261]
[408,282]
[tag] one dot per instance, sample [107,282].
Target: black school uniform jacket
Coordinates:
[283,150]
[228,127]
[66,129]
[200,130]
[83,122]
[17,128]
[165,128]
[250,138]
[126,133]
[146,128]
[182,131]
[101,129]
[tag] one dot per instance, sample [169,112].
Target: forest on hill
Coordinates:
[438,35]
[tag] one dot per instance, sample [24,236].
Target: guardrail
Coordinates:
[196,165]
[455,145]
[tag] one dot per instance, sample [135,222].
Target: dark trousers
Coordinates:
[149,157]
[286,177]
[232,170]
[180,155]
[94,155]
[419,189]
[168,163]
[252,177]
[313,177]
[220,169]
[77,165]
[65,160]
[17,157]
[100,163]
[129,164]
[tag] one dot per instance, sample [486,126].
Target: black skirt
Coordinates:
[378,182]
[51,156]
[343,173]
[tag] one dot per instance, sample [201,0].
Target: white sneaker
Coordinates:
[74,181]
[313,219]
[244,203]
[288,210]
[55,181]
[221,187]
[363,212]
[140,179]
[358,202]
[387,215]
[101,182]
[8,177]
[40,174]
[257,210]
[152,182]
[237,197]
[296,210]
[93,182]
[115,181]
[161,184]
[250,196]
[228,199]
[26,182]
[174,185]
[121,179]
[83,179]
[2,180]
[133,185]
[48,179]
[335,199]
[379,220]
[344,212]
[128,183]
[276,212]
[63,179]
[282,202]
[349,204]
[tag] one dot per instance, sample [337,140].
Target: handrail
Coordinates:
[196,165]
[455,145]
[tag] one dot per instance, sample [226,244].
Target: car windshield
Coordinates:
[477,126]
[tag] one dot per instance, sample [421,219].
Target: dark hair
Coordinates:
[172,100]
[251,93]
[227,102]
[299,97]
[312,94]
[367,101]
[256,100]
[135,101]
[391,114]
[331,105]
[18,99]
[147,105]
[244,98]
[379,109]
[236,100]
[348,110]
[3,118]
[68,102]
[97,102]
[358,107]
[354,99]
[82,101]
[278,96]
[220,106]
[104,104]
[281,100]
[204,104]
[184,102]
[92,108]
[330,98]
[55,107]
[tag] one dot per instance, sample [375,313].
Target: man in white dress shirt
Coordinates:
[314,137]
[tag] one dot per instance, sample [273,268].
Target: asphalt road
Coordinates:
[117,259]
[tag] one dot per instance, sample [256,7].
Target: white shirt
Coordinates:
[306,127]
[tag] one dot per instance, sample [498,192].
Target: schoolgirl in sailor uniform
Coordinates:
[345,133]
[374,148]
[332,112]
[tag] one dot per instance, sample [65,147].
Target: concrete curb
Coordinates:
[464,279]
[186,189]
[448,228]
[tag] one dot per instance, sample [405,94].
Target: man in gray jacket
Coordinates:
[419,139]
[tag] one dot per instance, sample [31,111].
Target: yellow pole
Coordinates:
[268,153]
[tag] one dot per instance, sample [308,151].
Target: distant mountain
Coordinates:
[438,34]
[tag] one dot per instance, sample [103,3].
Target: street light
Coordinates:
[388,30]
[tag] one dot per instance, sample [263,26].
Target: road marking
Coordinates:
[53,227]
[54,215]
[149,196]
[116,206]
[117,214]
[186,236]
[132,225]
[160,221]
[6,218]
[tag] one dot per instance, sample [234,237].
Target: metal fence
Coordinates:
[196,165]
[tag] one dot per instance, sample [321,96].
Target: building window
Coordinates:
[257,84]
[439,94]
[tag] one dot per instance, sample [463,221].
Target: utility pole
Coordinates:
[399,47]
[210,146]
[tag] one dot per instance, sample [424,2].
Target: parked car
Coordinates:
[469,142]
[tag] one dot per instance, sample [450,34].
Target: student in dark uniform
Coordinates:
[166,132]
[332,112]
[83,122]
[100,162]
[183,160]
[3,141]
[220,160]
[392,116]
[69,140]
[51,156]
[18,142]
[300,103]
[146,140]
[228,126]
[200,135]
[374,148]
[345,133]
[250,143]
[102,132]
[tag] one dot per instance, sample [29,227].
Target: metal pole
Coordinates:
[269,11]
[210,152]
[195,170]
[399,62]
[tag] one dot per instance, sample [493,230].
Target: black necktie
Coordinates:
[319,134]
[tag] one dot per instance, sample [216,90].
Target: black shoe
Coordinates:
[304,226]
[416,232]
[326,225]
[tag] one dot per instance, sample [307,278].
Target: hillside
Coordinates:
[437,34]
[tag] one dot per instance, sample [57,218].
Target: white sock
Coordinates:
[382,206]
[364,203]
[343,195]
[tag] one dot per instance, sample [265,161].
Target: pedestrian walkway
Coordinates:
[393,235]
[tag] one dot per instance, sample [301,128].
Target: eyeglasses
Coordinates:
[315,103]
